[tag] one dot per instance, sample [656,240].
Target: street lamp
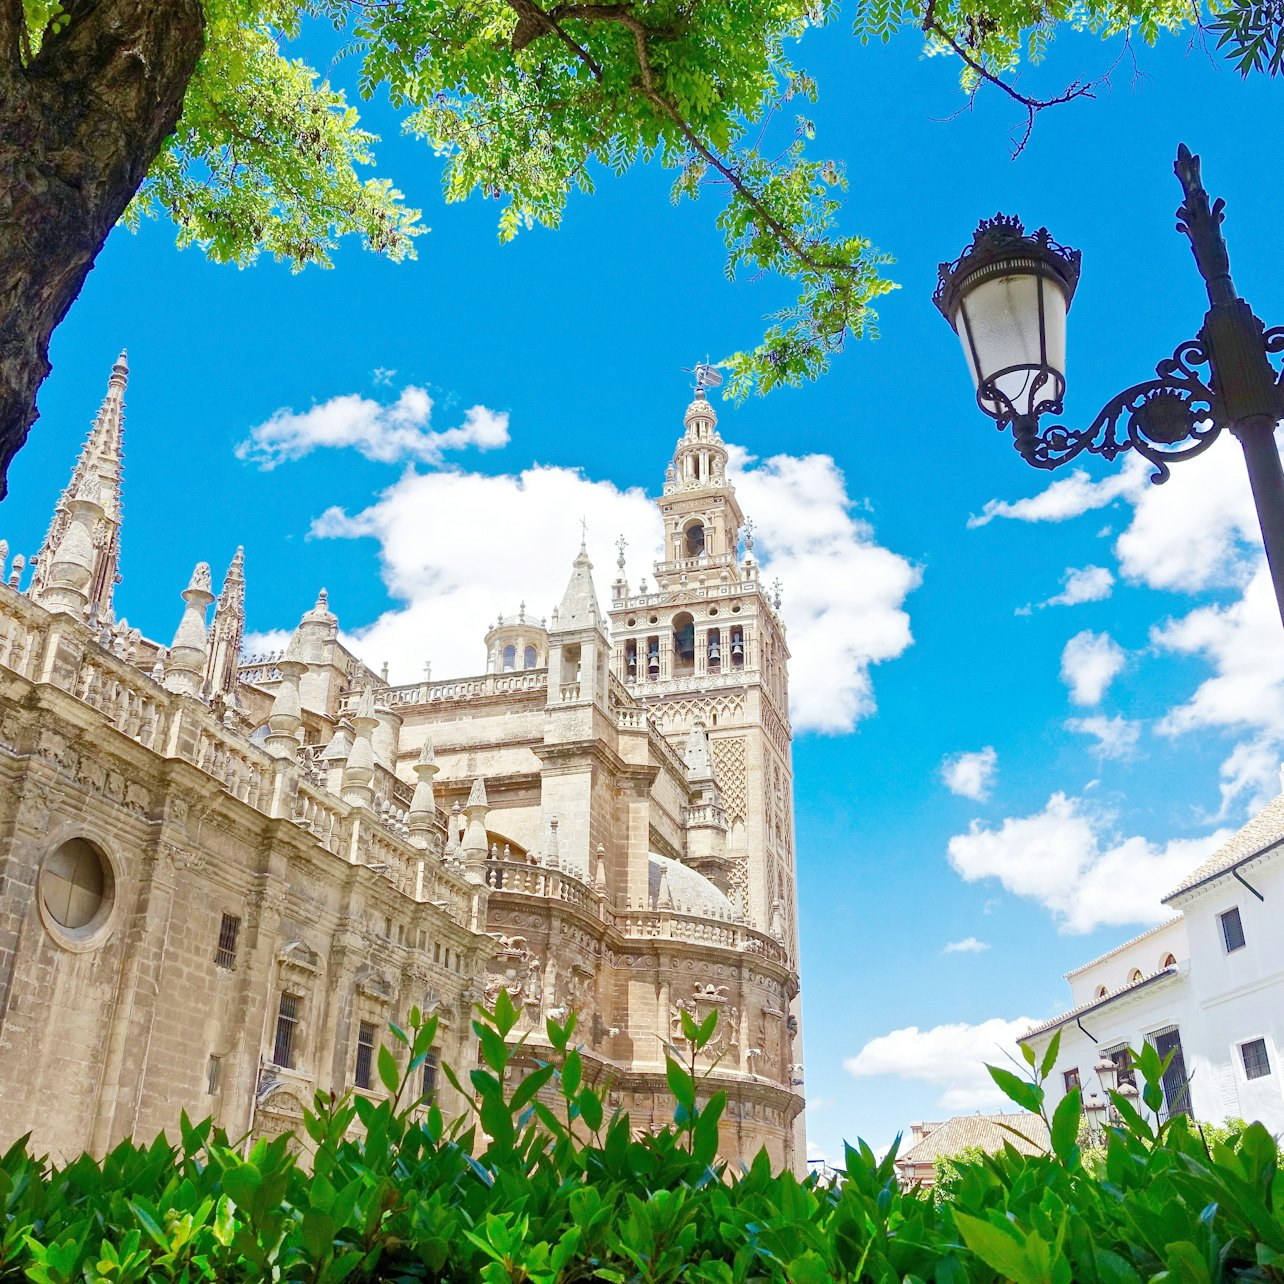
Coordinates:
[1006,297]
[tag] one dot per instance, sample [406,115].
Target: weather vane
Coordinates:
[749,535]
[707,375]
[621,544]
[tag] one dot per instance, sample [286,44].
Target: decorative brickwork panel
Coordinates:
[729,768]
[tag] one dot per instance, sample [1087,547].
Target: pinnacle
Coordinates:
[477,795]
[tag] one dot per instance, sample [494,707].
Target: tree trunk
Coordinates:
[80,124]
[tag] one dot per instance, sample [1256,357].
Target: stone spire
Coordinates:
[358,774]
[227,631]
[578,608]
[189,655]
[71,563]
[101,459]
[474,847]
[423,805]
[285,721]
[698,759]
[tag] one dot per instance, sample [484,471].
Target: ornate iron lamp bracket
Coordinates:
[1174,416]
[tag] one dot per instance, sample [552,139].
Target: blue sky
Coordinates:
[906,604]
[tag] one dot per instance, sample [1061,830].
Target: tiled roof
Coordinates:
[1118,949]
[1124,991]
[987,1131]
[1264,831]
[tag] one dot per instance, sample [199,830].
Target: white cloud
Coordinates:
[843,592]
[951,1058]
[1062,858]
[385,433]
[452,568]
[1068,496]
[1083,584]
[968,945]
[1090,662]
[970,774]
[1197,530]
[1116,737]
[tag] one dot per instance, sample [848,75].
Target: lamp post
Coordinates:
[1006,297]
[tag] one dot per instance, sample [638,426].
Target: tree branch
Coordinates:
[1033,106]
[621,15]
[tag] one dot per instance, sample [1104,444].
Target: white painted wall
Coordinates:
[1217,1000]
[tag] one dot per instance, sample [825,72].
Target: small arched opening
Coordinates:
[510,658]
[1170,960]
[530,660]
[695,540]
[683,643]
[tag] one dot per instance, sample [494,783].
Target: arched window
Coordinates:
[695,540]
[1170,960]
[510,658]
[683,642]
[1134,975]
[529,659]
[1101,992]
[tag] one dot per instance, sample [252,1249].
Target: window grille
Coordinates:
[213,1072]
[228,932]
[1257,1064]
[1070,1078]
[365,1054]
[431,1062]
[1176,1081]
[287,1025]
[1232,930]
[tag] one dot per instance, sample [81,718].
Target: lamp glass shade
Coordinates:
[1012,324]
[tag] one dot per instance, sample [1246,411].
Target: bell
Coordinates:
[737,647]
[715,652]
[633,663]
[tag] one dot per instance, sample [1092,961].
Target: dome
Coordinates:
[700,409]
[692,893]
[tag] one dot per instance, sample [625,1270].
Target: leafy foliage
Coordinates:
[529,103]
[1252,33]
[536,1185]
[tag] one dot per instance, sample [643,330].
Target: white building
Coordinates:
[1208,985]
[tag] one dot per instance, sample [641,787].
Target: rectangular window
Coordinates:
[1232,930]
[431,1063]
[1257,1065]
[213,1069]
[228,932]
[365,1054]
[1176,1081]
[1122,1060]
[1070,1078]
[287,1024]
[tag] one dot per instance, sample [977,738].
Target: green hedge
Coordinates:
[521,1191]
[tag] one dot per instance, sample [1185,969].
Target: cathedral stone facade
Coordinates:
[223,876]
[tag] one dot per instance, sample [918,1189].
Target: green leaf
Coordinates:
[1027,1095]
[572,1073]
[1000,1248]
[388,1073]
[1050,1056]
[590,1105]
[681,1084]
[1065,1128]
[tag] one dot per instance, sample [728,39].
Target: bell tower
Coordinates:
[705,647]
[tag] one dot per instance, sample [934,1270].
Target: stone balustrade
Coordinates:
[489,684]
[61,652]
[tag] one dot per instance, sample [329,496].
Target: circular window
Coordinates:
[654,619]
[713,610]
[76,890]
[631,622]
[735,610]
